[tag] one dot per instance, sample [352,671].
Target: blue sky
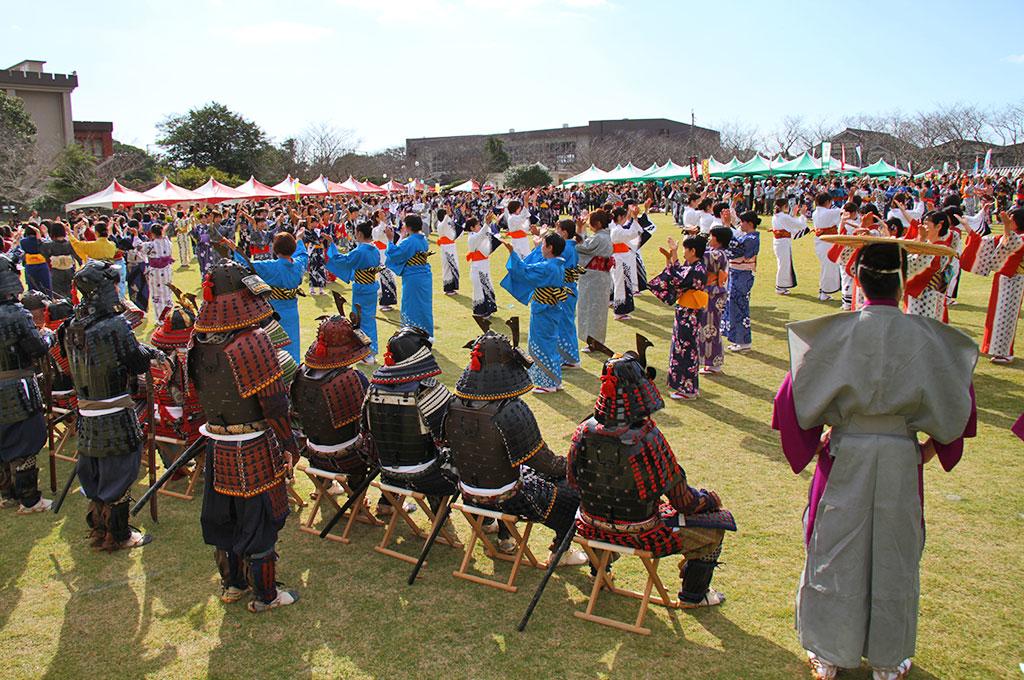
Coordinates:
[391,69]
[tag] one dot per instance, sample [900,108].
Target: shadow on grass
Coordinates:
[19,536]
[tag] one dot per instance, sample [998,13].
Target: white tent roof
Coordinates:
[114,196]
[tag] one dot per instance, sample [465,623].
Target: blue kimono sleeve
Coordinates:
[341,265]
[523,278]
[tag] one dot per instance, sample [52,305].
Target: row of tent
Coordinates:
[758,166]
[167,193]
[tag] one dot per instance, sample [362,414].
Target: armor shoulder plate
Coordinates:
[15,327]
[432,400]
[479,448]
[253,361]
[519,429]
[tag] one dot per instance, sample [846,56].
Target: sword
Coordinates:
[64,493]
[356,493]
[552,565]
[191,452]
[48,399]
[439,521]
[151,440]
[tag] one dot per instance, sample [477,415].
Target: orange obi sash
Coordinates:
[380,245]
[444,241]
[475,256]
[620,247]
[518,233]
[693,299]
[781,233]
[826,232]
[34,258]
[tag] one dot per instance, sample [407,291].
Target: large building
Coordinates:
[565,149]
[47,99]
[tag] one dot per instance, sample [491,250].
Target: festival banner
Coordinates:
[826,155]
[706,169]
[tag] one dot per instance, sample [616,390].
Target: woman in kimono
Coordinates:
[388,294]
[785,228]
[359,267]
[864,529]
[595,254]
[34,257]
[568,340]
[826,223]
[928,276]
[319,240]
[625,236]
[449,255]
[205,234]
[63,261]
[1002,255]
[158,254]
[716,264]
[284,276]
[538,280]
[682,285]
[478,244]
[743,252]
[408,259]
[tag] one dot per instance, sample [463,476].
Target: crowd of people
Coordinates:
[233,374]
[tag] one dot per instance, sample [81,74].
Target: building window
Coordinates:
[565,159]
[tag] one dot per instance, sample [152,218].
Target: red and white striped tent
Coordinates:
[391,185]
[168,193]
[371,188]
[330,187]
[215,192]
[290,185]
[254,188]
[114,196]
[467,186]
[416,185]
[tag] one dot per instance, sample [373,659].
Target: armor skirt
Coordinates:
[22,439]
[245,526]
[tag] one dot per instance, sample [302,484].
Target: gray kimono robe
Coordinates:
[594,288]
[878,377]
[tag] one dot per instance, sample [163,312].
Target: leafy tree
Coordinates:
[74,176]
[497,158]
[527,177]
[22,178]
[130,165]
[15,118]
[213,136]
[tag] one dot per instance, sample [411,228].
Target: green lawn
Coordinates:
[67,612]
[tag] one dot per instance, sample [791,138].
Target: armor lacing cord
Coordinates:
[208,294]
[608,383]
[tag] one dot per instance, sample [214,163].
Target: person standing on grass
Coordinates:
[449,254]
[625,236]
[388,293]
[743,252]
[478,245]
[568,340]
[595,253]
[359,267]
[682,285]
[826,222]
[716,264]
[864,524]
[785,229]
[408,259]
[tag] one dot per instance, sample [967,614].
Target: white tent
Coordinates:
[467,186]
[591,174]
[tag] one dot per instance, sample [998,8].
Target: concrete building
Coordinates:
[564,149]
[47,99]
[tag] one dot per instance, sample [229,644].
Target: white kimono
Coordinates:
[478,253]
[826,218]
[519,232]
[785,228]
[449,255]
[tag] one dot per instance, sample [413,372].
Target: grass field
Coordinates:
[67,612]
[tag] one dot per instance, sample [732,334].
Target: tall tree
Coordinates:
[22,176]
[213,136]
[73,177]
[497,158]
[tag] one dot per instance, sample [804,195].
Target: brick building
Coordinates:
[565,149]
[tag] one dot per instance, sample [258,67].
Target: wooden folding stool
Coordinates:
[396,495]
[193,477]
[476,517]
[322,481]
[600,554]
[60,425]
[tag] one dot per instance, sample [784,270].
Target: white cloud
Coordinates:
[1015,59]
[277,32]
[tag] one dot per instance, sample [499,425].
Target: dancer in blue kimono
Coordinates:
[284,276]
[567,338]
[408,259]
[359,267]
[742,264]
[35,252]
[539,281]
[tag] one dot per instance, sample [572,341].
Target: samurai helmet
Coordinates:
[57,312]
[496,370]
[338,343]
[408,358]
[36,302]
[10,281]
[97,285]
[233,298]
[628,395]
[175,330]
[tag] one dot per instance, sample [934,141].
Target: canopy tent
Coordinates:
[591,174]
[725,169]
[882,169]
[668,172]
[290,185]
[352,185]
[489,187]
[416,185]
[167,193]
[254,188]
[624,174]
[215,192]
[329,187]
[715,167]
[369,187]
[758,165]
[468,185]
[804,164]
[391,185]
[114,196]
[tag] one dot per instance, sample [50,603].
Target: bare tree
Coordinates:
[1008,125]
[24,167]
[739,139]
[788,136]
[322,145]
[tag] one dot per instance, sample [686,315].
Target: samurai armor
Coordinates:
[175,330]
[103,355]
[178,411]
[20,342]
[115,434]
[35,302]
[497,370]
[627,394]
[97,285]
[19,398]
[250,467]
[400,434]
[337,394]
[622,474]
[337,344]
[233,298]
[490,440]
[278,335]
[57,312]
[407,358]
[10,279]
[228,371]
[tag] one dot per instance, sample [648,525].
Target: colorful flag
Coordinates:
[860,159]
[975,171]
[842,159]
[988,161]
[826,155]
[706,169]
